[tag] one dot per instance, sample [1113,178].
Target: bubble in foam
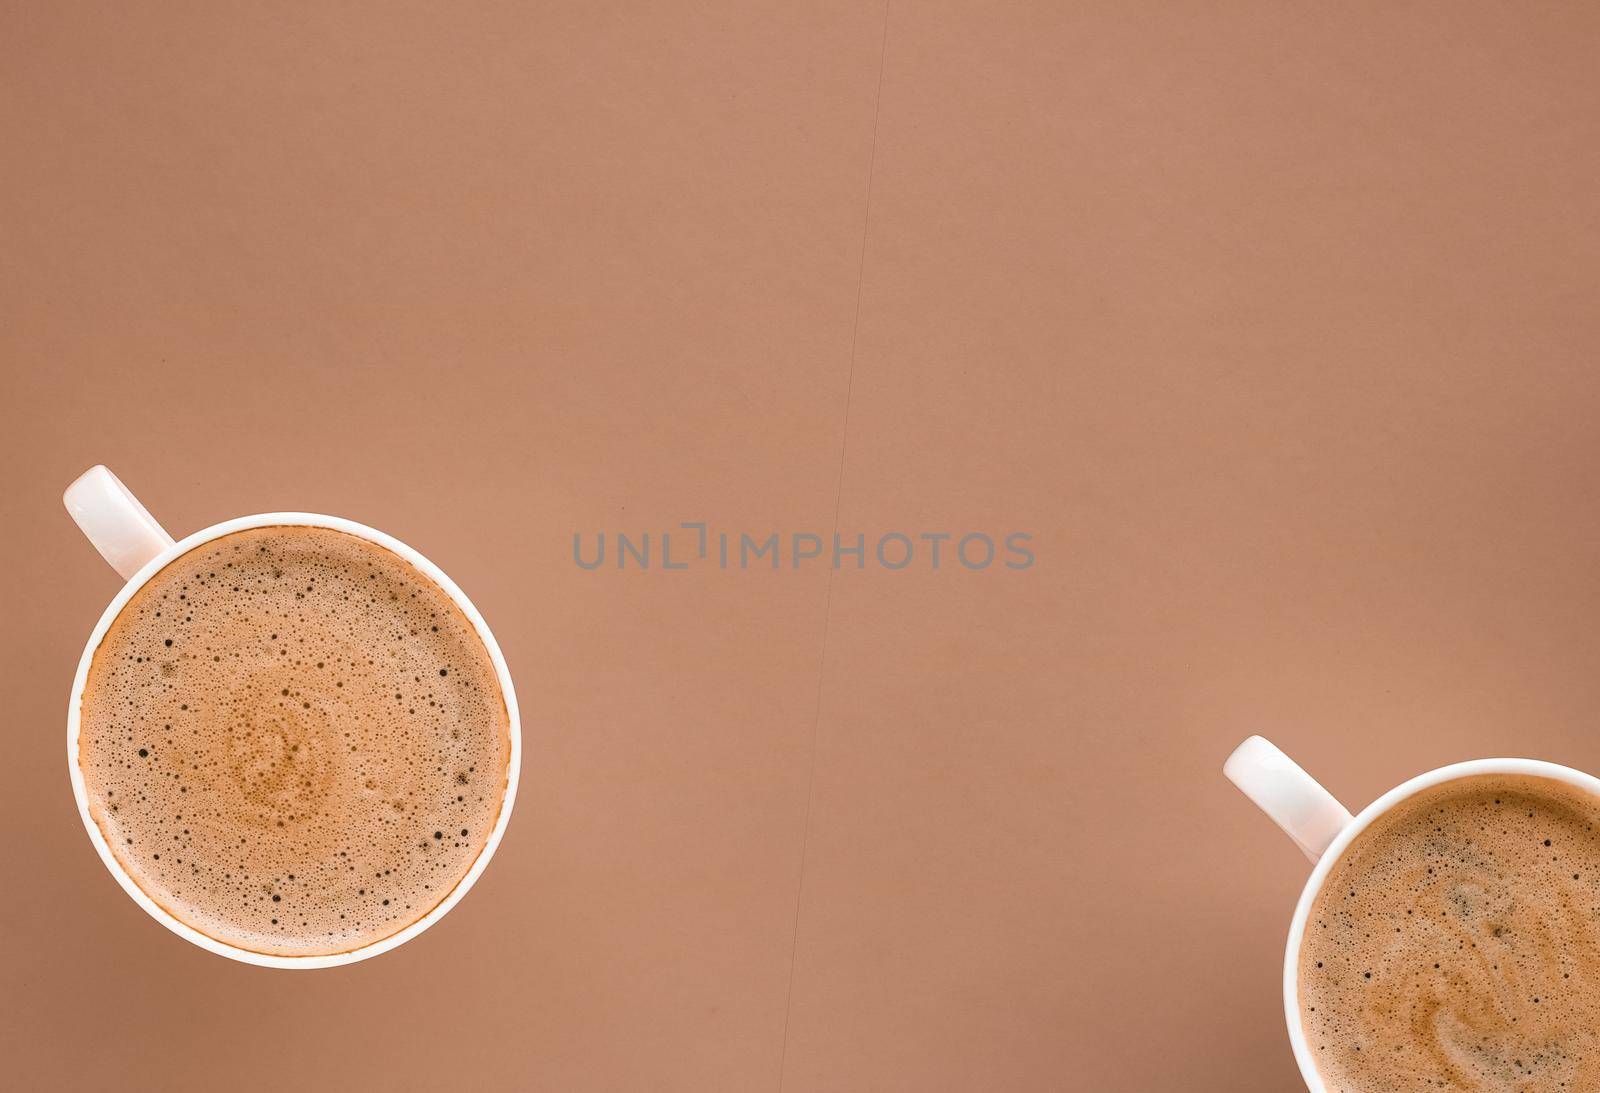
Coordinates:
[277,732]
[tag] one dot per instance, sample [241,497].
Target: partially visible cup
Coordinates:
[1473,866]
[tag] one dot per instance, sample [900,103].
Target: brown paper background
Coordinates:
[1274,323]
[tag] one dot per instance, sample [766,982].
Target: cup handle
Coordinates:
[1296,802]
[121,529]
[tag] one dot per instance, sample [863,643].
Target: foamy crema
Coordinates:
[1456,944]
[293,741]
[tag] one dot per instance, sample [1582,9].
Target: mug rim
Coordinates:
[1532,768]
[429,570]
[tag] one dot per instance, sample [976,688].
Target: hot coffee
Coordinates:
[294,741]
[1456,944]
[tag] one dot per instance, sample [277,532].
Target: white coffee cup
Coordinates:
[1323,828]
[137,547]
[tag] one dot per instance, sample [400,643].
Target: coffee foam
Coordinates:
[1456,945]
[294,741]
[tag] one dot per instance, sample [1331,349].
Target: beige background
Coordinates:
[1275,324]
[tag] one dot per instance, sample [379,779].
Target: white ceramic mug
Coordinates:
[137,547]
[1323,828]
